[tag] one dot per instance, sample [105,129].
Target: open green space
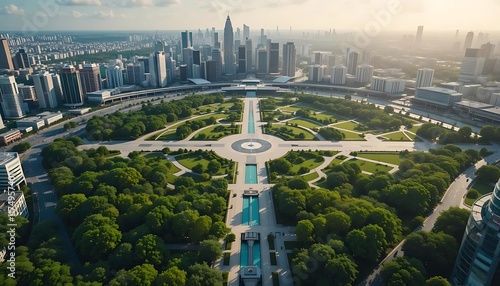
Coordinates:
[289,132]
[386,157]
[396,136]
[336,161]
[311,176]
[351,136]
[411,135]
[370,167]
[298,161]
[289,109]
[482,189]
[327,116]
[169,135]
[216,132]
[414,128]
[304,123]
[205,162]
[349,125]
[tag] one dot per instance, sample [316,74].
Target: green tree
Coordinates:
[338,223]
[200,229]
[96,237]
[488,174]
[214,166]
[437,281]
[67,207]
[122,257]
[291,202]
[403,271]
[150,249]
[210,250]
[341,270]
[21,147]
[304,230]
[203,275]
[173,276]
[281,165]
[144,274]
[452,222]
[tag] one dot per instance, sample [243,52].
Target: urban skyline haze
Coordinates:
[392,15]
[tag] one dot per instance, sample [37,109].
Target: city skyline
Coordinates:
[382,15]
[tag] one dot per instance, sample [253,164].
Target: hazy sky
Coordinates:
[478,15]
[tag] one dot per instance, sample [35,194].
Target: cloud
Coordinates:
[12,10]
[226,7]
[144,3]
[281,3]
[80,2]
[76,14]
[103,14]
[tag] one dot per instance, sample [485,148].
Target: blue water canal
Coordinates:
[251,174]
[255,254]
[250,215]
[251,121]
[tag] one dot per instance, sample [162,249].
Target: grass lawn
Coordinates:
[311,176]
[197,178]
[190,160]
[169,135]
[273,258]
[351,136]
[414,128]
[304,123]
[311,161]
[370,166]
[349,125]
[216,115]
[411,135]
[397,136]
[212,135]
[387,157]
[227,257]
[336,161]
[289,109]
[482,188]
[323,116]
[293,131]
[150,155]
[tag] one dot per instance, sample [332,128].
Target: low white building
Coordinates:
[11,171]
[35,122]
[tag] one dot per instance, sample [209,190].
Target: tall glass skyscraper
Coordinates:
[228,47]
[479,254]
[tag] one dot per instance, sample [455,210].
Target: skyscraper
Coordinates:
[158,69]
[187,56]
[274,58]
[114,75]
[339,74]
[91,78]
[5,58]
[289,54]
[352,63]
[424,78]
[249,51]
[45,90]
[10,98]
[217,58]
[262,61]
[71,86]
[472,66]
[364,73]
[228,47]
[246,31]
[21,60]
[135,74]
[479,254]
[468,40]
[186,40]
[242,63]
[418,38]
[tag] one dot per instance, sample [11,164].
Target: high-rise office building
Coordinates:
[216,40]
[237,35]
[187,57]
[56,80]
[45,90]
[27,92]
[217,58]
[468,40]
[418,38]
[71,86]
[206,52]
[11,171]
[5,57]
[274,58]
[479,255]
[196,57]
[228,47]
[352,63]
[91,78]
[424,78]
[364,73]
[170,69]
[489,61]
[160,46]
[145,63]
[186,39]
[387,84]
[21,60]
[262,61]
[10,98]
[246,31]
[249,51]
[316,73]
[114,76]
[135,74]
[472,66]
[339,74]
[242,62]
[289,54]
[158,69]
[211,70]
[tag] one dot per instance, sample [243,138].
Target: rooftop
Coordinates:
[7,156]
[440,90]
